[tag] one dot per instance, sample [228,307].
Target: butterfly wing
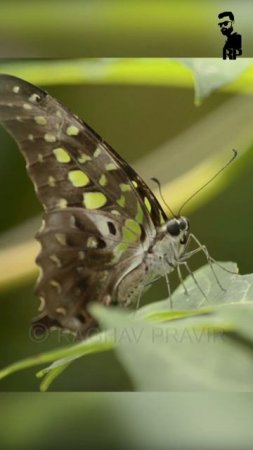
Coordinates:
[94,202]
[61,151]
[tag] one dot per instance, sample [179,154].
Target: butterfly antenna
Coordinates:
[161,195]
[235,153]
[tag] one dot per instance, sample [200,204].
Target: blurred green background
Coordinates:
[125,421]
[60,28]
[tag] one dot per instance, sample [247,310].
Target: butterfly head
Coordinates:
[178,228]
[172,240]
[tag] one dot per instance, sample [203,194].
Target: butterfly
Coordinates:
[104,236]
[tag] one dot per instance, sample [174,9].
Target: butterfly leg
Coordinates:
[139,300]
[181,280]
[210,257]
[185,264]
[168,286]
[210,260]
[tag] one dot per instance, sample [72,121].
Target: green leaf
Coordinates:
[51,375]
[65,355]
[211,74]
[201,345]
[239,288]
[241,318]
[180,355]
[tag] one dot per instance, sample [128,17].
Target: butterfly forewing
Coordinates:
[68,162]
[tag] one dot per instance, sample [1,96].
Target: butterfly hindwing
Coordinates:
[76,264]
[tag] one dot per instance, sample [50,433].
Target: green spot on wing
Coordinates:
[61,155]
[78,178]
[162,221]
[110,166]
[119,250]
[133,226]
[139,214]
[40,120]
[49,137]
[72,130]
[94,200]
[147,204]
[121,201]
[83,158]
[125,187]
[131,231]
[103,180]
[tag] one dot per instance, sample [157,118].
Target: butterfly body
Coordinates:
[104,236]
[160,258]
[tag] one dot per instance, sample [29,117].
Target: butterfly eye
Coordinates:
[183,223]
[173,227]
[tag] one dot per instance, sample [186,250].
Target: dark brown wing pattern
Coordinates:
[97,209]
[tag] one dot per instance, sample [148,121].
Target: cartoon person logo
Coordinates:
[233,44]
